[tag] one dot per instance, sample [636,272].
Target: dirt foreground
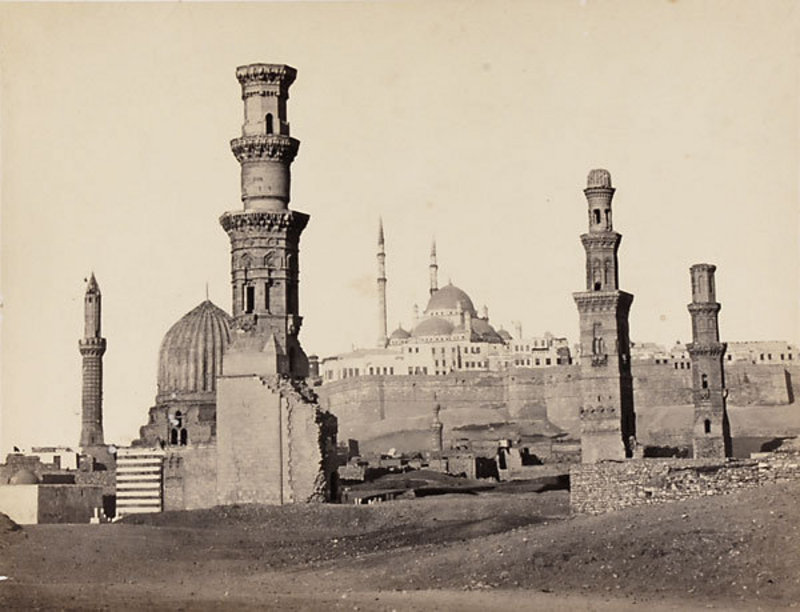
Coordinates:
[454,552]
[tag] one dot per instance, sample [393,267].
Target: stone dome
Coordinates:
[191,352]
[448,298]
[435,326]
[400,334]
[485,332]
[23,477]
[505,335]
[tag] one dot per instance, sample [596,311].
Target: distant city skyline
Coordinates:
[474,123]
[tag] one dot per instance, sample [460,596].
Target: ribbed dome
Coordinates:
[448,298]
[190,357]
[433,327]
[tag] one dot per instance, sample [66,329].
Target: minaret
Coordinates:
[383,339]
[607,419]
[436,428]
[92,348]
[265,235]
[711,434]
[434,269]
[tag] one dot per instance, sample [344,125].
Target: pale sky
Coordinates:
[476,122]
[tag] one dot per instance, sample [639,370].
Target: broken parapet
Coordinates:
[275,445]
[608,486]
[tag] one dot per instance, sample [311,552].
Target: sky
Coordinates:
[474,122]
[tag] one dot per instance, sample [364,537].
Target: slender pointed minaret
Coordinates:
[383,338]
[434,268]
[711,436]
[608,425]
[92,348]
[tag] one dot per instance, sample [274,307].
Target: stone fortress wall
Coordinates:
[374,406]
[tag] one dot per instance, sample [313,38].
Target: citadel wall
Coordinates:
[371,406]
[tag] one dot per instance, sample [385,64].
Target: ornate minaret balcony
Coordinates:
[265,149]
[607,416]
[265,234]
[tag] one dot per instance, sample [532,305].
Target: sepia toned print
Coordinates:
[266,441]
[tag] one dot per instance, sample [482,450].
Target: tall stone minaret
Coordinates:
[383,338]
[711,434]
[265,235]
[434,269]
[607,419]
[92,348]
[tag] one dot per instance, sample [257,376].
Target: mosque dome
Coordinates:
[505,335]
[485,332]
[191,352]
[400,334]
[434,326]
[23,477]
[448,298]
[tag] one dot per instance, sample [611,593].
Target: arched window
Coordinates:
[176,423]
[707,426]
[704,381]
[249,299]
[184,437]
[597,274]
[268,121]
[596,216]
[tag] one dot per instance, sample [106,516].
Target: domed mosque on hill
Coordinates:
[450,336]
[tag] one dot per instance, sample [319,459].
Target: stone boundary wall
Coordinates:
[603,487]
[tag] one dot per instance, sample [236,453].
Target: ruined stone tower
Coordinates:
[711,432]
[265,235]
[383,338]
[607,417]
[274,443]
[92,348]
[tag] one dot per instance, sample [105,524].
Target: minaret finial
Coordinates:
[381,241]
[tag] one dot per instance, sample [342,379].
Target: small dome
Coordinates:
[23,477]
[448,298]
[505,335]
[433,327]
[399,334]
[598,178]
[485,332]
[190,357]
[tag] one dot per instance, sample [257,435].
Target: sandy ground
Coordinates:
[455,552]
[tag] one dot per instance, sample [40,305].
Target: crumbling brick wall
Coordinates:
[274,443]
[607,486]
